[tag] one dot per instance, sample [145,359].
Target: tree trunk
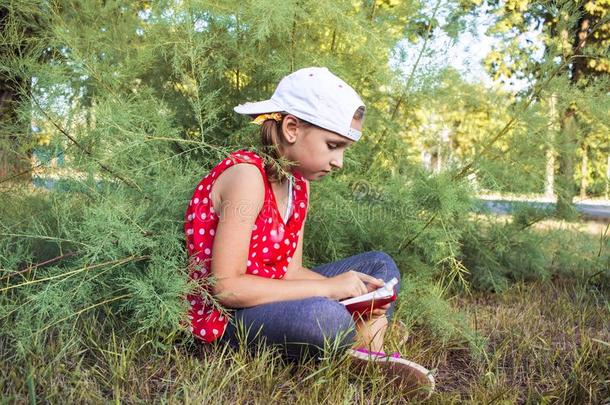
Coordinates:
[14,163]
[565,189]
[549,185]
[608,179]
[583,171]
[580,65]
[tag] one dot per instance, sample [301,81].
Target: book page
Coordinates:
[383,292]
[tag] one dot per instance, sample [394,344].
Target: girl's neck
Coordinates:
[284,180]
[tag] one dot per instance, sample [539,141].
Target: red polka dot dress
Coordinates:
[272,242]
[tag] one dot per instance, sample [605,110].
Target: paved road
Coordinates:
[588,211]
[595,211]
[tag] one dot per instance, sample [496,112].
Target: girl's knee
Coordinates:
[329,323]
[326,329]
[390,270]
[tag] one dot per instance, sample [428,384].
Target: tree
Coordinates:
[14,160]
[570,39]
[140,96]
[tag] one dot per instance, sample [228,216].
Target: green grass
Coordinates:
[542,343]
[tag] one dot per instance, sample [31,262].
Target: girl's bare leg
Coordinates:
[370,333]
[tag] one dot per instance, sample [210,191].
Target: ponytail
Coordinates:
[272,137]
[359,114]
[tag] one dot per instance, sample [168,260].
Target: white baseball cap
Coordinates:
[315,95]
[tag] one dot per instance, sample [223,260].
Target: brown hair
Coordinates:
[272,137]
[359,114]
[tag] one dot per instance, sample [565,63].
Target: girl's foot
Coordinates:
[415,379]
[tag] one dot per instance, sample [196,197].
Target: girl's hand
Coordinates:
[377,312]
[351,284]
[374,314]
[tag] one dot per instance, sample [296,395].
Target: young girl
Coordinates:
[244,225]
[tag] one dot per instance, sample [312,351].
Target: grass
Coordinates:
[544,342]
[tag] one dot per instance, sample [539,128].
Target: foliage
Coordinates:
[140,102]
[138,97]
[543,342]
[567,44]
[499,254]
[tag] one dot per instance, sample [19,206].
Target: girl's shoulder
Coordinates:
[237,158]
[246,172]
[246,156]
[233,167]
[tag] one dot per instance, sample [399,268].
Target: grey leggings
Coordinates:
[306,326]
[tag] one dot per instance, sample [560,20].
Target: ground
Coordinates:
[540,342]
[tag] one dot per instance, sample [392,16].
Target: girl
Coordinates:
[244,225]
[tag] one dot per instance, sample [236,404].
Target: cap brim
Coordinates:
[260,107]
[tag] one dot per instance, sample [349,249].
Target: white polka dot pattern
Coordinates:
[272,242]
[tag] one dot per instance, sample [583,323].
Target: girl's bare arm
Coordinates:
[240,192]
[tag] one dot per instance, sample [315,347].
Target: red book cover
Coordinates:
[366,303]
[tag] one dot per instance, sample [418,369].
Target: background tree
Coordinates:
[575,37]
[139,95]
[14,127]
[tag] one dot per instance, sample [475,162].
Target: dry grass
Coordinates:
[543,343]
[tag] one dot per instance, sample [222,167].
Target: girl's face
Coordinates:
[316,151]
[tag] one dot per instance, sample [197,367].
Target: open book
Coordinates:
[375,299]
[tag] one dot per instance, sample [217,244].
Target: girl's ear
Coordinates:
[290,127]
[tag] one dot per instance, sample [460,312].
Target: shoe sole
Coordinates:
[397,365]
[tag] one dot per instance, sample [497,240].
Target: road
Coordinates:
[597,210]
